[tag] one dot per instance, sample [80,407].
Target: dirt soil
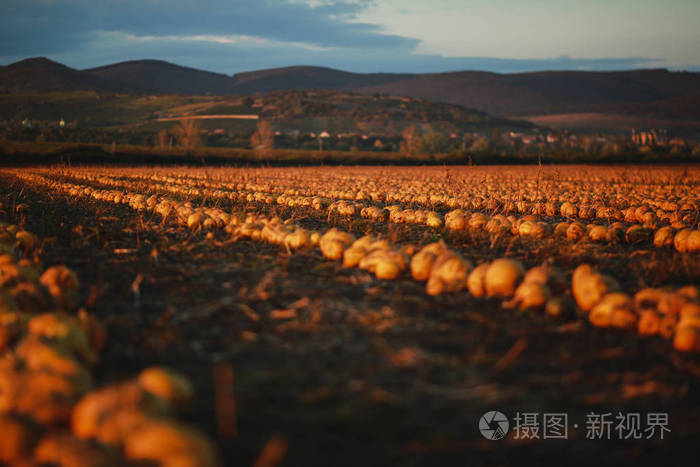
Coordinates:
[349,369]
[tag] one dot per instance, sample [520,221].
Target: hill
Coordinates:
[161,77]
[553,92]
[310,77]
[41,75]
[301,110]
[349,112]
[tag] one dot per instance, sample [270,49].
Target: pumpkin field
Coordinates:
[187,316]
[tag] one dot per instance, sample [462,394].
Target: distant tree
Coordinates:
[480,145]
[696,152]
[188,133]
[433,142]
[263,137]
[496,137]
[162,139]
[467,140]
[412,143]
[610,148]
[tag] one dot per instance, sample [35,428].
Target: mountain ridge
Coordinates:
[147,75]
[42,74]
[646,92]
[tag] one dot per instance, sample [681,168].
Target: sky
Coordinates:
[230,36]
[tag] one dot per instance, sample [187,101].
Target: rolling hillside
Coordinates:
[161,77]
[309,77]
[42,74]
[334,111]
[550,92]
[646,94]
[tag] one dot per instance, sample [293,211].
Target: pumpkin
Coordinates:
[27,241]
[353,255]
[455,221]
[687,335]
[167,384]
[63,449]
[614,310]
[664,237]
[476,281]
[557,307]
[422,262]
[167,443]
[111,413]
[61,282]
[43,396]
[19,435]
[530,295]
[334,243]
[448,274]
[65,332]
[680,240]
[503,276]
[194,220]
[598,233]
[298,239]
[575,231]
[384,263]
[589,287]
[693,242]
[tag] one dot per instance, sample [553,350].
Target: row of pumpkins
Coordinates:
[665,312]
[678,235]
[668,209]
[512,190]
[50,413]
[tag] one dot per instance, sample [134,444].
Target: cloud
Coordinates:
[32,27]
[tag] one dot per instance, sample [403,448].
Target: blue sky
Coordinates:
[358,35]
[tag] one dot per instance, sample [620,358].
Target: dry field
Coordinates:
[348,315]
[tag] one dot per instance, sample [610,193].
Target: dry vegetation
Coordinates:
[343,297]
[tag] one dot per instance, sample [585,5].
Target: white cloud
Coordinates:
[233,40]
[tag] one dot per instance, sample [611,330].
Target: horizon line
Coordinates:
[689,69]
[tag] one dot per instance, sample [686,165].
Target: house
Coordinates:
[677,141]
[650,137]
